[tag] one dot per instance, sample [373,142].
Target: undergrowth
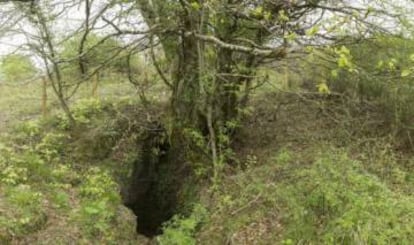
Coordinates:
[47,192]
[331,200]
[297,182]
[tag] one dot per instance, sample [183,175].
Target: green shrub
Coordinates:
[60,199]
[27,133]
[311,198]
[52,145]
[336,201]
[100,202]
[64,174]
[82,111]
[22,167]
[98,185]
[181,230]
[13,175]
[382,62]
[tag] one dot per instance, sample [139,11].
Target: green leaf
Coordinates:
[334,73]
[343,61]
[309,49]
[291,36]
[257,12]
[195,5]
[345,50]
[312,31]
[283,17]
[323,88]
[91,210]
[267,15]
[405,73]
[380,64]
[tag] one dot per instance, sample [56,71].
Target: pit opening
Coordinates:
[152,189]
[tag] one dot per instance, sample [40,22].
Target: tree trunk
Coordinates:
[186,88]
[202,101]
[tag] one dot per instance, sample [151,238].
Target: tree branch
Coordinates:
[279,52]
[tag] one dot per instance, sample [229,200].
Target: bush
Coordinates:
[181,230]
[336,201]
[381,82]
[99,206]
[51,146]
[308,198]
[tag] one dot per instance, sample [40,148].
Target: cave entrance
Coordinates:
[152,189]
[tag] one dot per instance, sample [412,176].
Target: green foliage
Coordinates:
[332,200]
[99,205]
[17,68]
[28,132]
[64,176]
[98,185]
[18,168]
[60,200]
[37,182]
[28,214]
[12,175]
[181,230]
[83,111]
[21,174]
[375,72]
[344,59]
[52,145]
[335,201]
[98,51]
[283,157]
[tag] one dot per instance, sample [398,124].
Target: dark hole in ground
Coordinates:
[150,194]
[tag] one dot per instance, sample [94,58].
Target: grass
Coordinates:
[327,199]
[23,101]
[288,192]
[19,102]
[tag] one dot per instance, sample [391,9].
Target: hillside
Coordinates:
[307,168]
[207,122]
